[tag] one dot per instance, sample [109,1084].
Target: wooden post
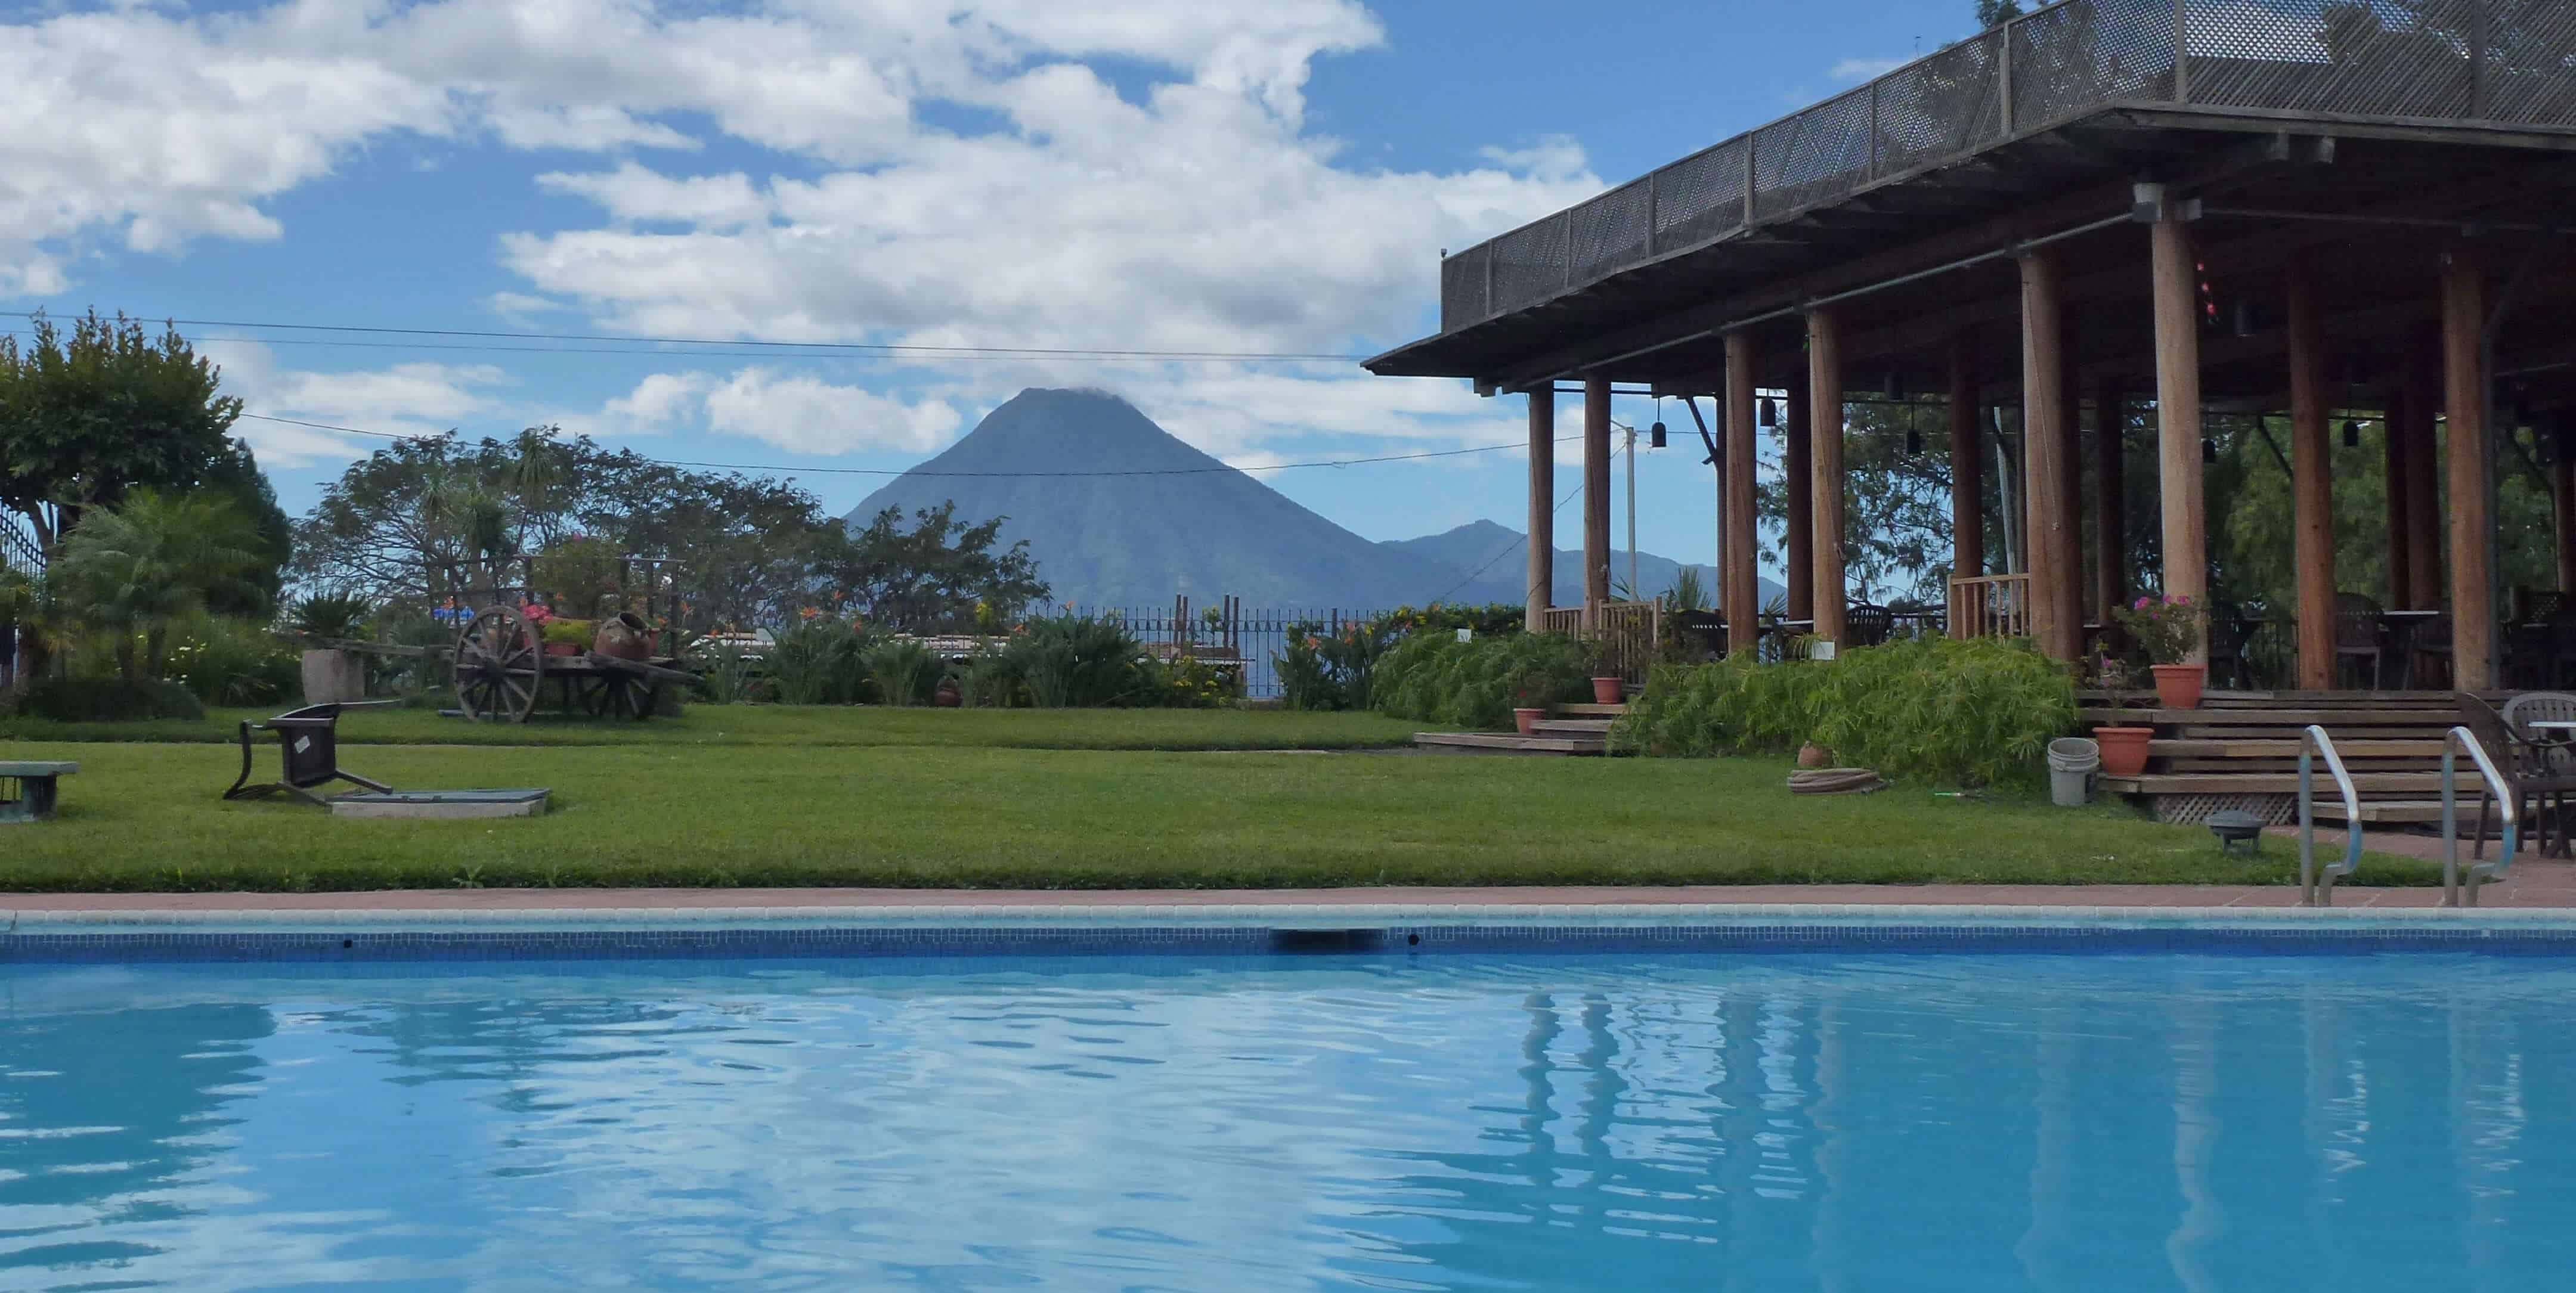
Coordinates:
[2311,487]
[1825,377]
[2562,492]
[1798,465]
[1541,581]
[2394,471]
[1967,477]
[1596,499]
[2465,404]
[2420,373]
[1743,608]
[2074,586]
[2056,619]
[2186,536]
[2110,498]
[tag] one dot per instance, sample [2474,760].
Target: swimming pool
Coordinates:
[1859,1121]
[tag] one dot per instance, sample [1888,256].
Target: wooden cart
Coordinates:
[503,672]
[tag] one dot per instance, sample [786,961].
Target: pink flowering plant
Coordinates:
[2166,628]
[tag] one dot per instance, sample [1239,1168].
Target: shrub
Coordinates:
[1187,682]
[106,700]
[1079,661]
[1432,678]
[727,674]
[819,662]
[229,662]
[1977,712]
[326,617]
[571,633]
[991,680]
[905,673]
[1323,668]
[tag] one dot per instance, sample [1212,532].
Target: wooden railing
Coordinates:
[1990,606]
[1628,632]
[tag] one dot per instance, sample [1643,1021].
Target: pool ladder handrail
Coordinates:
[2316,884]
[2478,873]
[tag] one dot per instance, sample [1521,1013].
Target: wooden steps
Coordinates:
[1507,743]
[2271,783]
[1590,711]
[2241,750]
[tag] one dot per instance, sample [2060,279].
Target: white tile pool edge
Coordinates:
[39,923]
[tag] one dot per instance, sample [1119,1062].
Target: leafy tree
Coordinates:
[932,575]
[137,566]
[87,416]
[1995,13]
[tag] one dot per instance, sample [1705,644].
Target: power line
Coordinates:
[1010,475]
[840,356]
[1526,540]
[859,347]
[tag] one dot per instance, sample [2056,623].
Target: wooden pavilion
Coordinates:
[2103,207]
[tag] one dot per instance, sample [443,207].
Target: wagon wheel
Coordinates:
[611,695]
[499,666]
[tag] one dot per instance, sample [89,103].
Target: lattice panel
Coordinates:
[1819,154]
[2529,73]
[2195,810]
[1942,106]
[1608,233]
[1462,288]
[2385,58]
[2077,57]
[1700,196]
[1529,264]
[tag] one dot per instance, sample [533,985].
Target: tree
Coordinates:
[932,575]
[86,417]
[1995,13]
[135,567]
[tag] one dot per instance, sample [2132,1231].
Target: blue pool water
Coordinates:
[1865,1122]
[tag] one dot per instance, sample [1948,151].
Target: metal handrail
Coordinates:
[2316,884]
[2454,741]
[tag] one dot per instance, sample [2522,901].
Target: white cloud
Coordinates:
[803,414]
[632,193]
[405,399]
[1862,69]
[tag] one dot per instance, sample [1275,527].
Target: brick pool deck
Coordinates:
[2532,882]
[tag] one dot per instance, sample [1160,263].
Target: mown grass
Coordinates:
[802,725]
[147,817]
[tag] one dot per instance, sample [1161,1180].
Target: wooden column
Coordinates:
[1825,376]
[2110,498]
[2311,487]
[1967,475]
[2394,469]
[2562,492]
[1743,607]
[2056,618]
[2177,326]
[2465,407]
[1541,581]
[2420,375]
[2075,587]
[1798,466]
[1596,499]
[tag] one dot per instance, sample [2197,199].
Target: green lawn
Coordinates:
[810,725]
[654,809]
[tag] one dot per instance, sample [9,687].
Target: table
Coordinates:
[2401,626]
[2564,732]
[34,782]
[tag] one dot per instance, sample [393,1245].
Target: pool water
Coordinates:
[1862,1122]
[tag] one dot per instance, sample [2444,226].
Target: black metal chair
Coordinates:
[2429,654]
[2535,785]
[1865,625]
[2230,631]
[308,742]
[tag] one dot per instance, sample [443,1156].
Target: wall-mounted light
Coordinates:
[2244,318]
[2352,433]
[1913,441]
[1770,412]
[1894,390]
[1655,436]
[2208,450]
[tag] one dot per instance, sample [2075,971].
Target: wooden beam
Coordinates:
[2464,397]
[1596,498]
[2393,471]
[2055,622]
[1967,471]
[2110,498]
[2311,486]
[1825,380]
[2073,586]
[1797,465]
[2176,293]
[1540,585]
[2420,378]
[1743,591]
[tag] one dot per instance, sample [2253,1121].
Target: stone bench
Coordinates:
[27,789]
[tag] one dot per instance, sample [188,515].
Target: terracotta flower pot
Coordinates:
[1812,755]
[2124,749]
[625,636]
[1609,691]
[2178,685]
[949,695]
[1527,720]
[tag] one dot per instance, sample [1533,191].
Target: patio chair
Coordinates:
[2559,748]
[2429,654]
[308,743]
[1865,625]
[2229,633]
[2360,636]
[2528,776]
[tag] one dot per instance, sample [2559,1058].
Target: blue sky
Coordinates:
[1236,175]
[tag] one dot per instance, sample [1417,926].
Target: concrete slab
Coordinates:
[441,804]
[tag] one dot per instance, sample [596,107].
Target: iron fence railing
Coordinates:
[1253,636]
[2496,62]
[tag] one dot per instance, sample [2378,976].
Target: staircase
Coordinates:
[1573,730]
[2240,750]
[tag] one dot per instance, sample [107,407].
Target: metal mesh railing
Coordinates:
[2506,62]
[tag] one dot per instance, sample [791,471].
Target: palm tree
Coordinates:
[134,568]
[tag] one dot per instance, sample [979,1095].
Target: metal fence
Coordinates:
[2493,62]
[1254,636]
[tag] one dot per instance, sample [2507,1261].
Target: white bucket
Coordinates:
[2072,761]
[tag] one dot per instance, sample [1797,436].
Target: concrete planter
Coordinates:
[334,677]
